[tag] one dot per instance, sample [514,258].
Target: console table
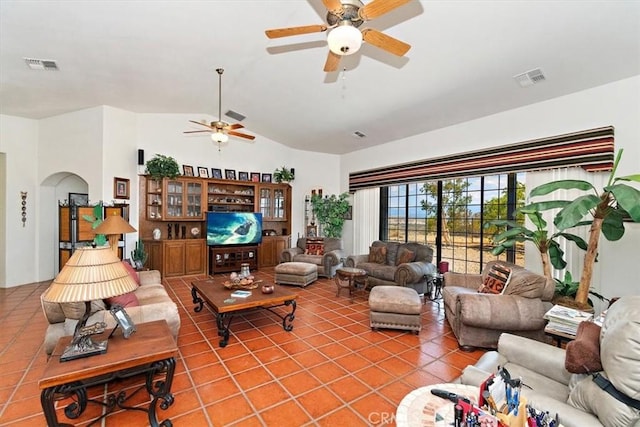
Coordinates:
[151,350]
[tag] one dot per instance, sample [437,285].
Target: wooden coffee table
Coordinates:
[219,299]
[355,278]
[151,350]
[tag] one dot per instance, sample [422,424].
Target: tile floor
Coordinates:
[331,370]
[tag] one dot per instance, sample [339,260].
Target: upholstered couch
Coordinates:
[155,304]
[575,397]
[326,253]
[390,270]
[478,319]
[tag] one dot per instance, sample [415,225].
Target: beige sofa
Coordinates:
[327,263]
[414,274]
[155,304]
[576,398]
[478,319]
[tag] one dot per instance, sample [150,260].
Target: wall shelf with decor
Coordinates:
[226,197]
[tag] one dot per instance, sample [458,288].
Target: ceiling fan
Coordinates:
[343,19]
[220,130]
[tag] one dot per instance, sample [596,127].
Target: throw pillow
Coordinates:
[583,353]
[125,300]
[132,272]
[378,254]
[404,256]
[314,247]
[496,280]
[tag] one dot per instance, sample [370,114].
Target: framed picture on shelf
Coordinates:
[255,176]
[216,173]
[230,174]
[120,188]
[243,176]
[78,199]
[203,172]
[266,177]
[312,231]
[187,170]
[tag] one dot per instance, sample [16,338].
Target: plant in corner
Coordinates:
[330,212]
[139,255]
[162,166]
[606,209]
[283,175]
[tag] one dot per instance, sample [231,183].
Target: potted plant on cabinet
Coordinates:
[330,212]
[283,175]
[162,166]
[604,211]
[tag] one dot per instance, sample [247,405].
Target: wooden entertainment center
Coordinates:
[177,208]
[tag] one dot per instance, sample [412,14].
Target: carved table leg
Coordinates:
[287,320]
[223,330]
[196,300]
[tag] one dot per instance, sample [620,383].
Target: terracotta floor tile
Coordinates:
[241,363]
[299,383]
[208,373]
[328,372]
[318,402]
[253,378]
[374,408]
[283,367]
[230,410]
[349,388]
[374,376]
[217,390]
[343,417]
[266,395]
[310,358]
[287,414]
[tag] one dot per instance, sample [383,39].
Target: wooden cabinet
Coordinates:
[271,248]
[274,203]
[178,257]
[229,258]
[230,197]
[179,199]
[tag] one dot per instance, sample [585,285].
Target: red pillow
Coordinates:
[125,300]
[583,354]
[132,272]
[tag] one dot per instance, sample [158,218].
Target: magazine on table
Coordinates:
[240,294]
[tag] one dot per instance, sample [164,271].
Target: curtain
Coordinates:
[366,216]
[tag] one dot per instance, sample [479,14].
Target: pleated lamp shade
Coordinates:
[90,274]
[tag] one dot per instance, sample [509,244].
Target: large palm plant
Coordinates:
[603,210]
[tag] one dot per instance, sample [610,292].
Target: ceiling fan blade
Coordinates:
[200,123]
[196,131]
[332,62]
[241,135]
[383,41]
[334,6]
[234,126]
[294,31]
[379,7]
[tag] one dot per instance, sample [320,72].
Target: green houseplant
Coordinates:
[330,212]
[96,220]
[603,210]
[283,175]
[162,166]
[139,255]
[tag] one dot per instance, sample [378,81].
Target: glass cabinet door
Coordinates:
[175,194]
[194,199]
[154,199]
[278,204]
[265,202]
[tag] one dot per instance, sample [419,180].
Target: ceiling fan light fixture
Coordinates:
[219,137]
[344,39]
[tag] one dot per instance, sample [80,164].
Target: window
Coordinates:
[449,215]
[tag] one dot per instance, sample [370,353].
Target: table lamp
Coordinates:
[112,227]
[90,274]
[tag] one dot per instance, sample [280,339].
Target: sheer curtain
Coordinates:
[366,216]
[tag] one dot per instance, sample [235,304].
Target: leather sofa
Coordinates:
[575,397]
[478,319]
[328,260]
[415,274]
[155,304]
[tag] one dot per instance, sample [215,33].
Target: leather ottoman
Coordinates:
[296,273]
[395,307]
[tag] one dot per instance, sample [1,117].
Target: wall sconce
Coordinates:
[23,196]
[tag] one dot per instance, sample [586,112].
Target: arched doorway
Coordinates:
[54,189]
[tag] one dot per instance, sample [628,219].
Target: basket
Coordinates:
[251,284]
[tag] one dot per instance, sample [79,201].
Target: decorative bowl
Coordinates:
[268,289]
[242,284]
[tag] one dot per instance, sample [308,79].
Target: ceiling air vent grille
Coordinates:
[236,116]
[41,64]
[530,78]
[359,134]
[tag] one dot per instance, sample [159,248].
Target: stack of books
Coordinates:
[565,320]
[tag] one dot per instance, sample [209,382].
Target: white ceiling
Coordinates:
[161,56]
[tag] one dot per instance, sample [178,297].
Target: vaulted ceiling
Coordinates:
[161,56]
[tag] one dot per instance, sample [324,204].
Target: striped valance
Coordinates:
[591,149]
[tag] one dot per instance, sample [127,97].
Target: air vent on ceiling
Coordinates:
[530,78]
[236,116]
[359,134]
[41,64]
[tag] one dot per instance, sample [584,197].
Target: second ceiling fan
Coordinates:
[344,17]
[220,130]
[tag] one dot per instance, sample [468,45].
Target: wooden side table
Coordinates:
[150,351]
[350,278]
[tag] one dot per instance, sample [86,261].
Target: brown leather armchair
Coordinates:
[478,319]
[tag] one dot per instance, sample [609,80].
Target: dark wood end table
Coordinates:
[350,278]
[219,299]
[151,350]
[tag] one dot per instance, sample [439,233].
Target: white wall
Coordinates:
[616,104]
[19,143]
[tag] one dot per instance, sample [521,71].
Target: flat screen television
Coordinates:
[234,228]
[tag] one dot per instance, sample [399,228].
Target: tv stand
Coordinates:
[229,258]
